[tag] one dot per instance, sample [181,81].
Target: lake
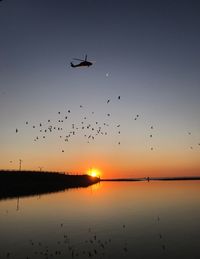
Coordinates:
[106,220]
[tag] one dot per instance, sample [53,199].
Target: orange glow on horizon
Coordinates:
[94,172]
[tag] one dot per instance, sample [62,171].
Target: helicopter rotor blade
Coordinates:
[78,59]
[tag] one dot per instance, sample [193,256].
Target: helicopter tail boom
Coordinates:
[72,65]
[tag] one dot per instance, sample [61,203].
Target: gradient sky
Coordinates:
[145,51]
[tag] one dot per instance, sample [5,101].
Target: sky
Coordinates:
[146,52]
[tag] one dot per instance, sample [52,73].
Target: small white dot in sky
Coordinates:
[107,74]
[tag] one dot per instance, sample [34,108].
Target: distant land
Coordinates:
[15,184]
[181,178]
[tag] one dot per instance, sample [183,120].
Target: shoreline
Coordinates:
[148,179]
[15,184]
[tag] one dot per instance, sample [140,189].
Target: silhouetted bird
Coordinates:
[16,130]
[119,97]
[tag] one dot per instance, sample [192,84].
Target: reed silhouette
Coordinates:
[28,183]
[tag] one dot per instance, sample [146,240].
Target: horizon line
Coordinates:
[149,178]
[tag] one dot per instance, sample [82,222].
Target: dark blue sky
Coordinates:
[146,51]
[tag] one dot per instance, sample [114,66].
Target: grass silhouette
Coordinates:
[26,183]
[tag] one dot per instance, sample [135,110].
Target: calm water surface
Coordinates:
[106,220]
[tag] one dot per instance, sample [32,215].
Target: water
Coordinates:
[106,220]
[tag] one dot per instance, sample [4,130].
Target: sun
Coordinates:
[94,172]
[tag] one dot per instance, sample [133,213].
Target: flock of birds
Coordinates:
[96,245]
[88,127]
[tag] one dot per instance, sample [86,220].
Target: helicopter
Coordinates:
[83,63]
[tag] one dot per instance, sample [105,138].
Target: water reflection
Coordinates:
[106,220]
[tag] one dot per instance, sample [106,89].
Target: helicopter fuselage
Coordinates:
[82,64]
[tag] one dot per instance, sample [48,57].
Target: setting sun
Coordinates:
[94,172]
